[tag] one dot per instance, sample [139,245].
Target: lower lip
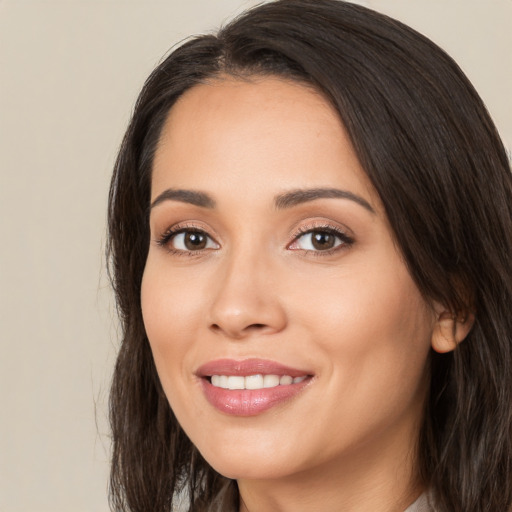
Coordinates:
[250,402]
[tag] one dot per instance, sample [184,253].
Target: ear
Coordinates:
[450,330]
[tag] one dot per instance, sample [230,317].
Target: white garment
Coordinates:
[422,504]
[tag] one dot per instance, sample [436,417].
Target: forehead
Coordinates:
[265,131]
[259,95]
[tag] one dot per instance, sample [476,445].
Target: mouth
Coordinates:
[250,387]
[253,382]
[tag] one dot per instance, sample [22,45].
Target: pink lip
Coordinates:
[247,367]
[245,402]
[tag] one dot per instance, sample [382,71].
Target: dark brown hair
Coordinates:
[429,147]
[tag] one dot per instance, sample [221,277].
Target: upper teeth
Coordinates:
[253,381]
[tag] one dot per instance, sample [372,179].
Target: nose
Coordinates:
[246,301]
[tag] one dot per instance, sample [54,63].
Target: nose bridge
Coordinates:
[246,298]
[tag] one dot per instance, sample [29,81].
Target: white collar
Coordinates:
[422,504]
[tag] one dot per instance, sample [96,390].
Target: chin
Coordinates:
[247,455]
[250,468]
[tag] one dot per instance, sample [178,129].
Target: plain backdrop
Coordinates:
[70,71]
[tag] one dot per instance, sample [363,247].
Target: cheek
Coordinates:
[171,311]
[362,301]
[372,325]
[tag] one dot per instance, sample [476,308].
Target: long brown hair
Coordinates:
[429,147]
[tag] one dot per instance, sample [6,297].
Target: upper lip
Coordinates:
[247,367]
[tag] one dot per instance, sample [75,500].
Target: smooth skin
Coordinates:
[237,276]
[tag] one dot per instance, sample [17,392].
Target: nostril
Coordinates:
[237,331]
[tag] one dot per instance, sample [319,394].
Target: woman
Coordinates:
[310,228]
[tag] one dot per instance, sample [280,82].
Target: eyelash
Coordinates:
[172,232]
[345,240]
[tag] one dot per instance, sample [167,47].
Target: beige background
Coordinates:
[70,71]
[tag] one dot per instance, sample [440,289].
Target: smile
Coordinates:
[257,381]
[250,387]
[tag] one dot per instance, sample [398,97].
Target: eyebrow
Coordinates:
[282,201]
[299,196]
[185,196]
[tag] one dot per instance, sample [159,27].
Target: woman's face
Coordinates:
[271,263]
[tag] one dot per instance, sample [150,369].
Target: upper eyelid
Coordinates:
[186,226]
[318,225]
[305,231]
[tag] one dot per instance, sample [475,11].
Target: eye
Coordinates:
[320,239]
[187,240]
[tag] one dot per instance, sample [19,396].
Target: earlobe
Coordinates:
[450,330]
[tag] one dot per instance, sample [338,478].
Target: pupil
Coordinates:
[195,241]
[323,241]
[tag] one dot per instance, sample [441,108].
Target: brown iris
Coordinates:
[195,240]
[322,240]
